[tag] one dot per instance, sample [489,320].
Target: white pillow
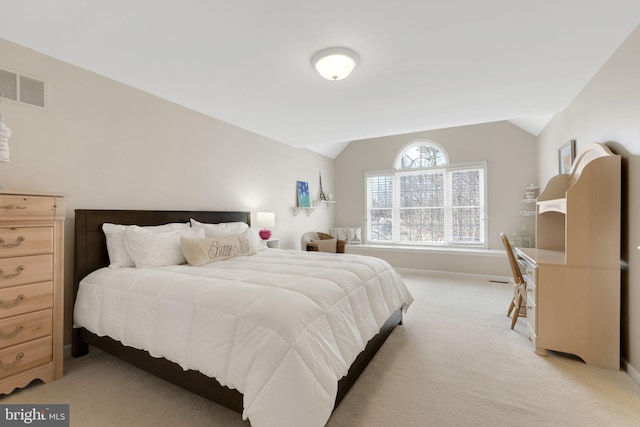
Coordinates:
[229,228]
[221,229]
[340,233]
[118,255]
[348,234]
[149,249]
[356,234]
[257,243]
[200,251]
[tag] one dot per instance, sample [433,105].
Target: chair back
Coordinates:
[515,268]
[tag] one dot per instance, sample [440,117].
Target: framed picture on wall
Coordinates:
[566,155]
[303,194]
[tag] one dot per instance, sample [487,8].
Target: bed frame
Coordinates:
[91,254]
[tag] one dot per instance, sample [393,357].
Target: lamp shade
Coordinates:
[266,219]
[335,63]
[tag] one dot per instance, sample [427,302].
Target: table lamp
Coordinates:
[265,219]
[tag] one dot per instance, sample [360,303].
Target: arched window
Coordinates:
[426,200]
[421,154]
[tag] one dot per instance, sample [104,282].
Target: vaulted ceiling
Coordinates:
[424,64]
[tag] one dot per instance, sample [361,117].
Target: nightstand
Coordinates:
[272,243]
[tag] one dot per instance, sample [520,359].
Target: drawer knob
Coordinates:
[19,270]
[18,242]
[17,301]
[16,331]
[12,364]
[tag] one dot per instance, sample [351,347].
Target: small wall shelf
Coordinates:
[529,198]
[297,210]
[318,202]
[315,203]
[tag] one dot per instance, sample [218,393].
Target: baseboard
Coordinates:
[66,351]
[633,372]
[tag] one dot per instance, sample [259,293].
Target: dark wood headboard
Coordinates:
[90,251]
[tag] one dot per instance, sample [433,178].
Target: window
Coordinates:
[426,200]
[421,154]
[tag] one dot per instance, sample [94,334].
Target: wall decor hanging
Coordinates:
[303,194]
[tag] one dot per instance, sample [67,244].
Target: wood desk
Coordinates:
[572,308]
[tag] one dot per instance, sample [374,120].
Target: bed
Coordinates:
[300,351]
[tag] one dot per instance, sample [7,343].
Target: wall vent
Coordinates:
[23,89]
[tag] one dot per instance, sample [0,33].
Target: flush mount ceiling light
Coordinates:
[335,63]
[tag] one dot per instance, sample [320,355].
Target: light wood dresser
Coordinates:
[31,288]
[573,274]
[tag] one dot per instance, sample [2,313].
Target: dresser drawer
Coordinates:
[25,299]
[23,208]
[26,327]
[19,241]
[530,272]
[27,269]
[24,356]
[531,292]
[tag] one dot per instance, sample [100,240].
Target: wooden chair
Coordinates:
[519,299]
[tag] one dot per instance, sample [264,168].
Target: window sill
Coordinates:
[444,250]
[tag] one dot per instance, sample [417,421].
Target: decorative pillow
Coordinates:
[149,249]
[340,233]
[326,245]
[348,234]
[356,235]
[115,233]
[200,251]
[229,228]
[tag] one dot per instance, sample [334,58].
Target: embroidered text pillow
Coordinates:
[200,251]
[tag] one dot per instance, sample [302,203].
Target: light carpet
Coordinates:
[454,362]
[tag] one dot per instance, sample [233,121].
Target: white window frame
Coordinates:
[397,163]
[448,169]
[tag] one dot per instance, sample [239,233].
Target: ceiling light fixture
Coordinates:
[335,63]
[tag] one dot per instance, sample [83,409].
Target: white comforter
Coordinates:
[282,327]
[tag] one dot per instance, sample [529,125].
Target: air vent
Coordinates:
[23,89]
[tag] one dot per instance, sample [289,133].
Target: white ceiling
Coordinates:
[424,64]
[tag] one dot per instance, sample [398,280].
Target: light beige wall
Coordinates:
[492,263]
[510,154]
[107,145]
[608,111]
